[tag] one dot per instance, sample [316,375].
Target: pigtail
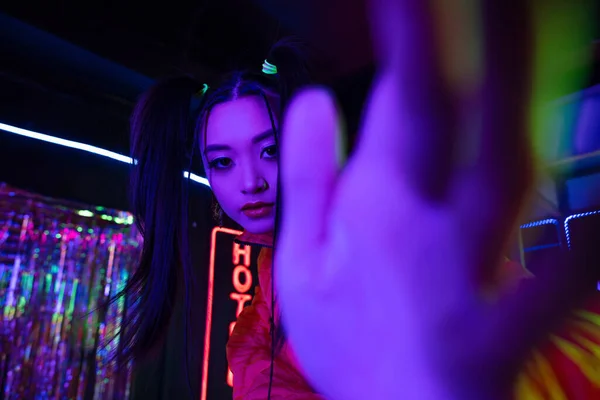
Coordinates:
[161,137]
[290,57]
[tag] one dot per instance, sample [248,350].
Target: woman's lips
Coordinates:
[257,210]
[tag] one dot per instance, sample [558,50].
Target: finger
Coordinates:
[310,162]
[507,47]
[497,162]
[526,68]
[409,122]
[496,185]
[502,167]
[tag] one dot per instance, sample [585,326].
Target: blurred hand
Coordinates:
[380,260]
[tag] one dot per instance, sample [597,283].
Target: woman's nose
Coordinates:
[254,184]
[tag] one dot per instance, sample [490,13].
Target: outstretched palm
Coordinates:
[380,260]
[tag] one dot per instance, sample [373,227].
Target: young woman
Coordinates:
[235,128]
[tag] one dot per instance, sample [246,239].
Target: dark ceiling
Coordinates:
[152,38]
[203,36]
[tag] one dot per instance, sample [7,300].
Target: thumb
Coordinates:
[309,165]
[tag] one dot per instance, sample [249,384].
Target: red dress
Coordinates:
[249,347]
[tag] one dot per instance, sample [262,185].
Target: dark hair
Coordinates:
[164,131]
[160,137]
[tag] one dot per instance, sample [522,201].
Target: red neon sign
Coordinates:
[242,283]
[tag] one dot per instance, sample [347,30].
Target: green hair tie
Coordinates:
[268,68]
[202,91]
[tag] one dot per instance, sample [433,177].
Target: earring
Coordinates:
[217,212]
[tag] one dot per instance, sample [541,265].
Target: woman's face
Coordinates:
[240,158]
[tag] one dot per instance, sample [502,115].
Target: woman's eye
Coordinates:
[220,163]
[270,151]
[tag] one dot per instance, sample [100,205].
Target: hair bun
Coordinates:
[290,56]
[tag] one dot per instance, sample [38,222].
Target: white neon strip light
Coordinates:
[575,216]
[568,231]
[196,178]
[85,147]
[549,221]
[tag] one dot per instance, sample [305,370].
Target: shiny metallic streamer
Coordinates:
[60,264]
